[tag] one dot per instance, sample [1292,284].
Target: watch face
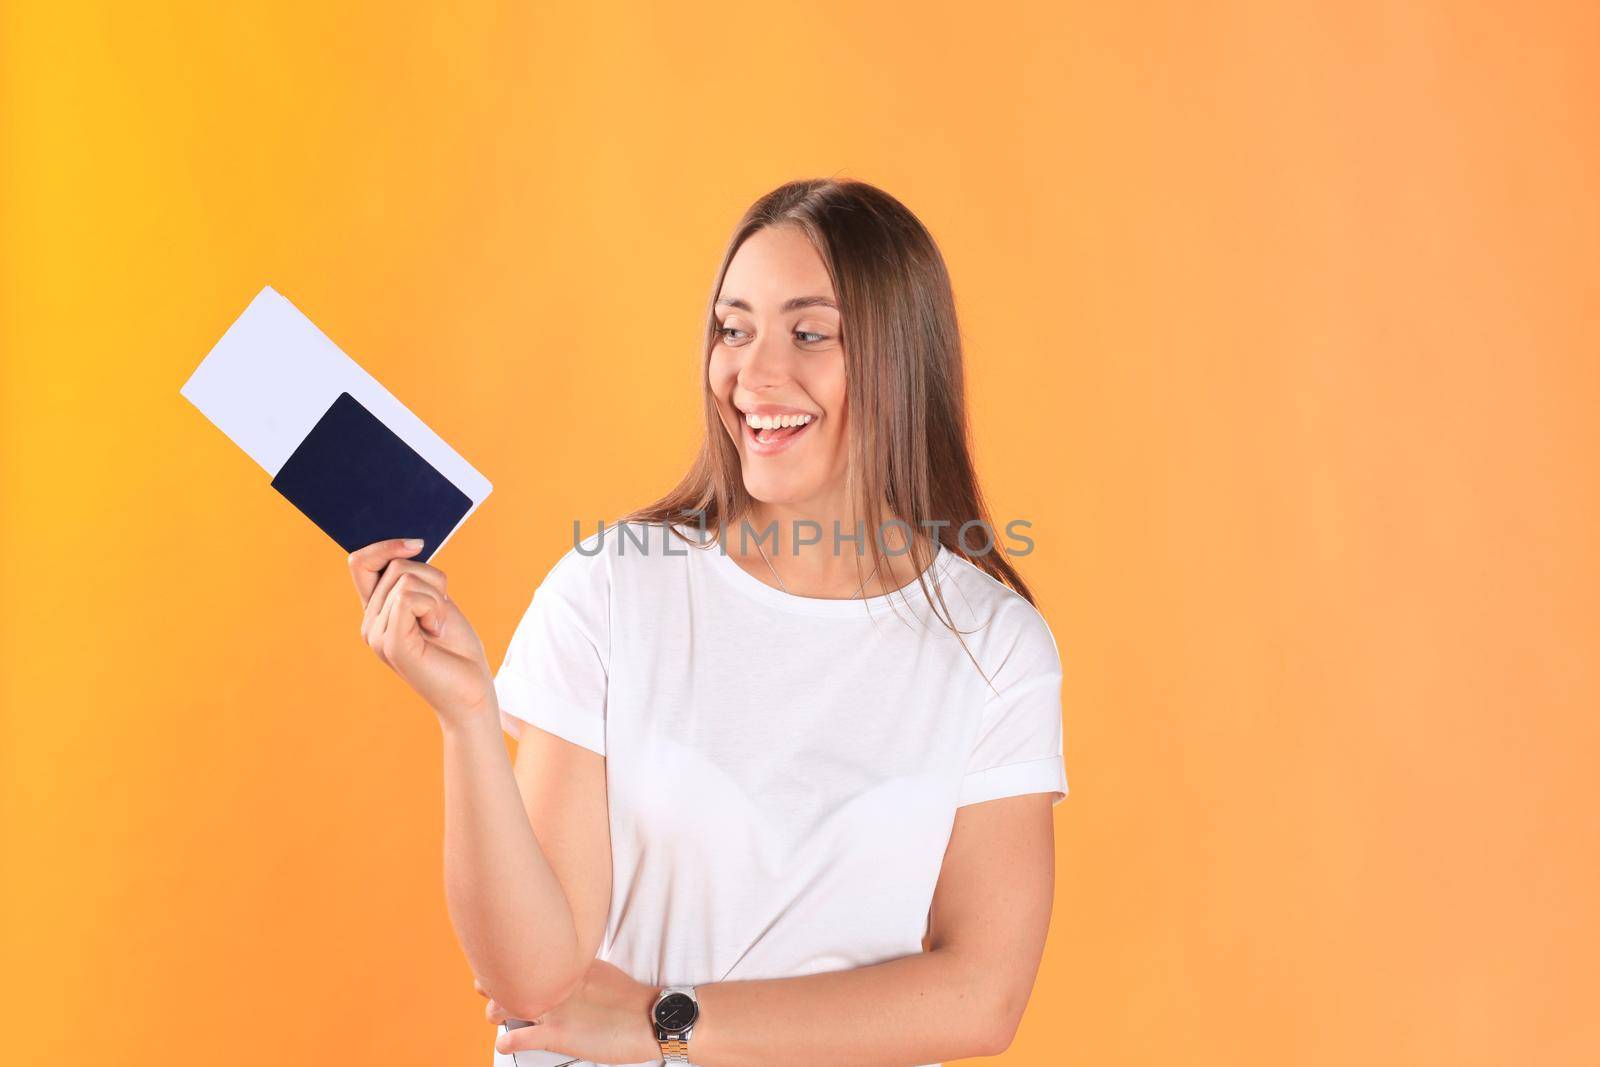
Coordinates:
[676,1011]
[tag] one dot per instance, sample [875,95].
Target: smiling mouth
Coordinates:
[775,430]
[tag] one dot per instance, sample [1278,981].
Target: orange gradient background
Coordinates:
[1281,324]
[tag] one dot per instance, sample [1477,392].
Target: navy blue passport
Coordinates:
[359,482]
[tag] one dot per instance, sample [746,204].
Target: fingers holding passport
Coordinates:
[368,563]
[393,570]
[414,627]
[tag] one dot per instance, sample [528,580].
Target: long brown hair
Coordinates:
[909,440]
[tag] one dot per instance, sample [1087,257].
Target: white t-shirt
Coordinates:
[782,771]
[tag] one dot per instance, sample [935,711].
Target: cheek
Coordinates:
[720,372]
[840,439]
[834,395]
[835,384]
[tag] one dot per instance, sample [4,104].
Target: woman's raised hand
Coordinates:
[417,630]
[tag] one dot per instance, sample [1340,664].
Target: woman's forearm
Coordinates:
[924,1008]
[510,913]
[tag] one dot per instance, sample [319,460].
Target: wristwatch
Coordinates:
[673,1016]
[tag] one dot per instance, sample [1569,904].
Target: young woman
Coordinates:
[795,728]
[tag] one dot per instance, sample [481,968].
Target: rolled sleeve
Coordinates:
[1020,745]
[554,674]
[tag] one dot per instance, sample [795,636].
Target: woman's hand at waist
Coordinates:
[606,1019]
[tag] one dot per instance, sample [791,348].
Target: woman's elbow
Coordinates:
[529,999]
[1002,1021]
[995,1035]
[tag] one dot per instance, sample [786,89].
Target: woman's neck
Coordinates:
[820,552]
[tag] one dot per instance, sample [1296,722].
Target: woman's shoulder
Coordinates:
[1014,633]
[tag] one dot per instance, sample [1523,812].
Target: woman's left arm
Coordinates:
[962,997]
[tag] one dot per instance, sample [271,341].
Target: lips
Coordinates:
[769,442]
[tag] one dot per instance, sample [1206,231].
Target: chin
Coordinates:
[776,490]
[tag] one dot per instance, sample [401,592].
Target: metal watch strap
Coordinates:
[676,1049]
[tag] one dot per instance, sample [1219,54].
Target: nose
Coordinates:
[765,364]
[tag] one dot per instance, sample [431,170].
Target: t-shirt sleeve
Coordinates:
[1019,746]
[555,668]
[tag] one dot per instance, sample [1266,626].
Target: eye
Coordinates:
[810,337]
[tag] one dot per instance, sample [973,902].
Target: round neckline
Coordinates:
[755,588]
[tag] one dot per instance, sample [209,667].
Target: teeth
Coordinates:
[773,422]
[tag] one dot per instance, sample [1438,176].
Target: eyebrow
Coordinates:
[792,304]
